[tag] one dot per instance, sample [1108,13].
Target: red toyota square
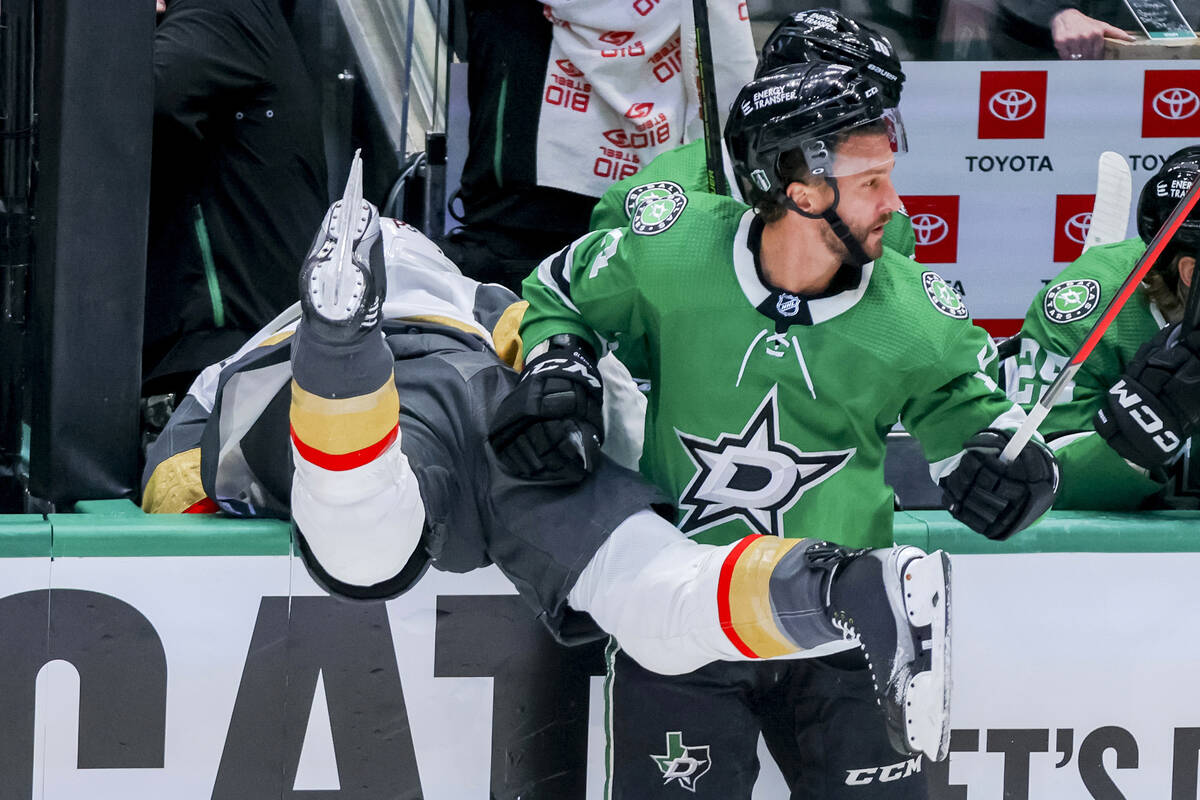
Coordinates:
[1012,105]
[1171,103]
[1072,218]
[935,226]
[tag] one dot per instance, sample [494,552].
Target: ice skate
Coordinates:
[343,280]
[908,650]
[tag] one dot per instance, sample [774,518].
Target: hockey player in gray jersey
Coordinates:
[366,422]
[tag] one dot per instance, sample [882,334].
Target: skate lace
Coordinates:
[850,632]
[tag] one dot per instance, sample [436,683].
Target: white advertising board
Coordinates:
[224,677]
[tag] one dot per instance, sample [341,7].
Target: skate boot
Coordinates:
[896,602]
[343,280]
[344,409]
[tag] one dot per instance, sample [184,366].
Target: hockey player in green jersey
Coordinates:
[821,34]
[1114,455]
[782,344]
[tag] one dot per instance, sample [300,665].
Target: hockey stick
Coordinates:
[1110,212]
[708,101]
[1161,239]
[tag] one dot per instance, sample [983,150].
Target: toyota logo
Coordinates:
[929,228]
[1077,226]
[1176,103]
[1012,105]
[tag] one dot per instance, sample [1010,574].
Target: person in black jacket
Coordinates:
[1067,29]
[238,167]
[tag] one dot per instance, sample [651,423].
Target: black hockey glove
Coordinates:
[1155,406]
[550,426]
[998,499]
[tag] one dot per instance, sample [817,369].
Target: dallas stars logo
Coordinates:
[650,191]
[751,475]
[1071,300]
[681,763]
[654,215]
[943,296]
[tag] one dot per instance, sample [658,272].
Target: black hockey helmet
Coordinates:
[809,107]
[1162,193]
[823,34]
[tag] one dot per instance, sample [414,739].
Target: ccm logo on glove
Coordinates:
[1141,413]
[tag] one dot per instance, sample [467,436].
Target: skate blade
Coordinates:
[927,701]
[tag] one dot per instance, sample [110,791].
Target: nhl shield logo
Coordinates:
[650,191]
[788,305]
[654,215]
[943,296]
[1071,300]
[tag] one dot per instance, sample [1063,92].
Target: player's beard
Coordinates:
[872,246]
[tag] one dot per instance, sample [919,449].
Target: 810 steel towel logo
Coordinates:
[667,62]
[568,90]
[621,46]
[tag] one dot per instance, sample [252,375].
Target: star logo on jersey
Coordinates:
[943,296]
[751,475]
[650,191]
[656,214]
[1071,300]
[682,763]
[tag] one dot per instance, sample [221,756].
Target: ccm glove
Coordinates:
[1149,413]
[551,425]
[998,499]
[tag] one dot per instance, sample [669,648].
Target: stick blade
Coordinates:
[1110,212]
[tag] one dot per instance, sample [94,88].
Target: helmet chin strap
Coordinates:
[855,254]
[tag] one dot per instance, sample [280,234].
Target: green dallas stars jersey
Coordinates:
[686,169]
[1057,322]
[768,412]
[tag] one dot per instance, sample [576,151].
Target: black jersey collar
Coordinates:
[845,290]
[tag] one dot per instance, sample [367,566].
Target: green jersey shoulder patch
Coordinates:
[650,191]
[1071,300]
[943,296]
[656,214]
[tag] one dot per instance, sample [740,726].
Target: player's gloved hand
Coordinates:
[1155,406]
[998,499]
[551,425]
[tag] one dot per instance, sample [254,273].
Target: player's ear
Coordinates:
[809,198]
[1187,270]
